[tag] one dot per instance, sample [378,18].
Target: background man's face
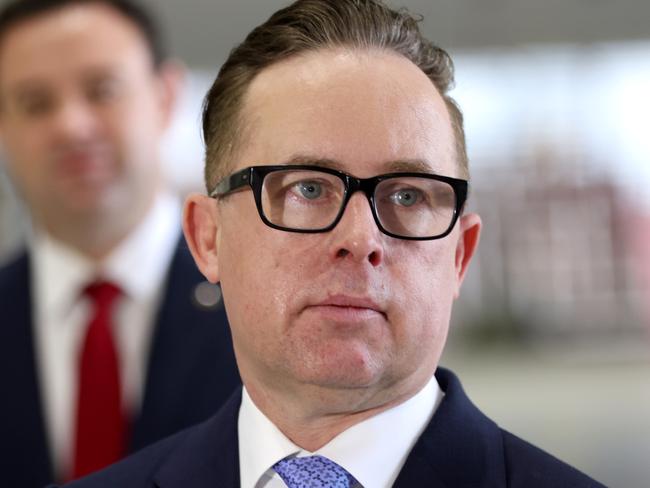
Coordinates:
[81,114]
[364,111]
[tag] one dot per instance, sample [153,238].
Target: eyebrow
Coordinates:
[26,88]
[35,84]
[398,166]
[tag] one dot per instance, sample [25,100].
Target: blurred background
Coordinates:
[552,334]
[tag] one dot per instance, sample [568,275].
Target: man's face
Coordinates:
[351,308]
[81,114]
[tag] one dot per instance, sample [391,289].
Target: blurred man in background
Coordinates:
[109,336]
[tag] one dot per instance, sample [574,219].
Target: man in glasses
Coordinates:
[335,223]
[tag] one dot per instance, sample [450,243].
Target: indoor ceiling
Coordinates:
[202,31]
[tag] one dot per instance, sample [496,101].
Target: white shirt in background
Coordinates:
[61,313]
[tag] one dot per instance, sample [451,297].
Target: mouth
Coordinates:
[84,165]
[344,308]
[81,159]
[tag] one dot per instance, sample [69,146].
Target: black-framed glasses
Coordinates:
[309,199]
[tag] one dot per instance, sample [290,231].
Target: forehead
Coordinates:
[364,109]
[64,42]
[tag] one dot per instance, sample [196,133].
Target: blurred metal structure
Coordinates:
[557,251]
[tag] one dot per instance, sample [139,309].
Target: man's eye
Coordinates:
[309,189]
[35,106]
[406,198]
[103,90]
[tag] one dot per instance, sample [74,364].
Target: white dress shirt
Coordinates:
[61,313]
[373,451]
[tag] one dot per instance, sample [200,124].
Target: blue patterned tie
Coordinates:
[313,472]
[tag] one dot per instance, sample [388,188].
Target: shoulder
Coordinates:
[15,269]
[531,467]
[15,296]
[137,470]
[479,450]
[202,455]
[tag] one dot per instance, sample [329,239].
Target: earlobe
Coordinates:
[200,226]
[470,230]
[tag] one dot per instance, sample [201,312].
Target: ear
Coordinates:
[201,226]
[171,80]
[470,230]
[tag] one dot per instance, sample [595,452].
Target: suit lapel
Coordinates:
[460,448]
[209,456]
[23,427]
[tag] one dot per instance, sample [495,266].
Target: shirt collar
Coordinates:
[58,274]
[261,444]
[137,265]
[373,451]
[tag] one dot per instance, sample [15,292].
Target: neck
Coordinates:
[98,233]
[95,235]
[313,416]
[92,243]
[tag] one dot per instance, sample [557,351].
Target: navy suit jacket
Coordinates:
[460,448]
[191,370]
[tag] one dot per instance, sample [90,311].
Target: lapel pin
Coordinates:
[207,295]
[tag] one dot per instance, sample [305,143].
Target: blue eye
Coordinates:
[405,198]
[310,189]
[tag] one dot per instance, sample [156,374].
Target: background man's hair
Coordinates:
[309,25]
[15,12]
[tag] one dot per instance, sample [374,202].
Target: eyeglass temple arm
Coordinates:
[231,183]
[463,195]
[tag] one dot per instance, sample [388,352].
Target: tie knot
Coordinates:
[102,293]
[313,472]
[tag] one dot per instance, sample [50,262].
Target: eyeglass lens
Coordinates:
[312,200]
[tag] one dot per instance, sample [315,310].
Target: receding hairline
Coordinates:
[246,116]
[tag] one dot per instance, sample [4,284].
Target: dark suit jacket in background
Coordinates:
[460,448]
[191,370]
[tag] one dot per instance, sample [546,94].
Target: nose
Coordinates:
[75,120]
[356,237]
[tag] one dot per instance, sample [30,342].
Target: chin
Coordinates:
[347,368]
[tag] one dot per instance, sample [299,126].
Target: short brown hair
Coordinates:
[309,25]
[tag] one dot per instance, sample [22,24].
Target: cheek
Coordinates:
[134,122]
[262,277]
[428,281]
[267,275]
[26,156]
[255,271]
[24,141]
[126,133]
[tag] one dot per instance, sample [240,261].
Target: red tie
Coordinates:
[100,437]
